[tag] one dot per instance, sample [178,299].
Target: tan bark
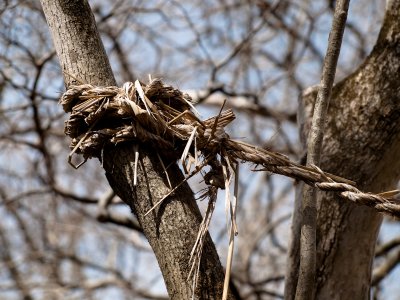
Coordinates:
[362,143]
[172,228]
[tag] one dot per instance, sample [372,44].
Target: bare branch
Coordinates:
[385,267]
[308,255]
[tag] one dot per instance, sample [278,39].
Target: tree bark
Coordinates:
[172,228]
[362,143]
[76,39]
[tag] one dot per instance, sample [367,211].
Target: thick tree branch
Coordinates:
[171,229]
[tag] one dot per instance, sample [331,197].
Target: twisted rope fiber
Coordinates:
[164,118]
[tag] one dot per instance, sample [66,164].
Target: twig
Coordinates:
[385,248]
[307,269]
[386,267]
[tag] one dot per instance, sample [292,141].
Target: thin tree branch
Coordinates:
[385,268]
[385,248]
[307,270]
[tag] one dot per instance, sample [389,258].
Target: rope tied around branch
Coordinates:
[163,117]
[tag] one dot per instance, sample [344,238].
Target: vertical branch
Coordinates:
[307,270]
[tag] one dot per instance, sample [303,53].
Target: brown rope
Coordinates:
[164,117]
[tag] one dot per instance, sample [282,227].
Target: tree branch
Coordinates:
[307,270]
[172,228]
[385,268]
[385,248]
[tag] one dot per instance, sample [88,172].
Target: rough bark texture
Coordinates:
[77,41]
[362,143]
[171,229]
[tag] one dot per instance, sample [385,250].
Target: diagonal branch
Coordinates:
[171,229]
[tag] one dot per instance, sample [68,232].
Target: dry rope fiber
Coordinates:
[161,116]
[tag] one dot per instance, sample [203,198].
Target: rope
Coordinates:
[164,118]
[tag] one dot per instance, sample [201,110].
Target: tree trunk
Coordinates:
[172,228]
[362,143]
